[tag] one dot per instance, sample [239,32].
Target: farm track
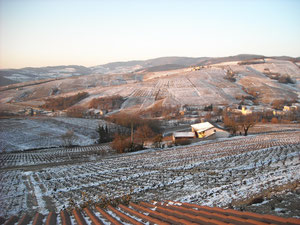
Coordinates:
[213,174]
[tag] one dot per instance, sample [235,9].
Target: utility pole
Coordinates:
[131,132]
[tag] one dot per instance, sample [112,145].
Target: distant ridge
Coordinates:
[12,76]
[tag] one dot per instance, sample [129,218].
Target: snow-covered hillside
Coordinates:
[22,134]
[207,85]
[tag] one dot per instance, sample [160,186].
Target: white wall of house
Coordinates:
[219,133]
[206,133]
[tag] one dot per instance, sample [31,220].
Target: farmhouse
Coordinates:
[289,108]
[201,130]
[246,111]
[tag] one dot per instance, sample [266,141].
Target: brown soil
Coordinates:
[282,201]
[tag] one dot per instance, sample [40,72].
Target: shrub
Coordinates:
[274,120]
[68,138]
[121,143]
[286,80]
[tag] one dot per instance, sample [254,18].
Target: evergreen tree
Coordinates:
[104,134]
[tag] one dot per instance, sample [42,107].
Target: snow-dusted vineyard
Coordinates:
[176,87]
[56,155]
[45,132]
[211,173]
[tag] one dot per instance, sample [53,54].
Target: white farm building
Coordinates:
[201,131]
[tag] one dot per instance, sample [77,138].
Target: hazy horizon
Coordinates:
[129,60]
[38,33]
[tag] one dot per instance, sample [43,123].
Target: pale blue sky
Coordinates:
[90,32]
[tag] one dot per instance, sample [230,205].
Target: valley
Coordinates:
[62,136]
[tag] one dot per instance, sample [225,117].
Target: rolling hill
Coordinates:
[12,76]
[169,81]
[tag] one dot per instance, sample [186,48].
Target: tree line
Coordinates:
[61,103]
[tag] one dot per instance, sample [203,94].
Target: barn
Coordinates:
[183,135]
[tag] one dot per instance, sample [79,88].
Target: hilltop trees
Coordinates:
[107,103]
[61,103]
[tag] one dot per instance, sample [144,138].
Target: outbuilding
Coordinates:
[183,135]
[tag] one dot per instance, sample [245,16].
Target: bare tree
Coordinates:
[121,143]
[231,124]
[246,122]
[143,134]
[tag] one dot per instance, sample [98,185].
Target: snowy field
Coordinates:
[54,156]
[213,173]
[35,132]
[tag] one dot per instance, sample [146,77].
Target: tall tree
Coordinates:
[142,134]
[246,122]
[104,134]
[231,124]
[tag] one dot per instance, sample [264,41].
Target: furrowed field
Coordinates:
[208,173]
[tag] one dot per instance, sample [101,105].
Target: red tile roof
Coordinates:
[161,213]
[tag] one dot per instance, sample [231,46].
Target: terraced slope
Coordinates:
[174,87]
[211,173]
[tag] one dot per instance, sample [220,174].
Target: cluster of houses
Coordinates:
[204,130]
[246,111]
[30,111]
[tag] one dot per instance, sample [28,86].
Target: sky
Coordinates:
[40,33]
